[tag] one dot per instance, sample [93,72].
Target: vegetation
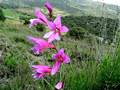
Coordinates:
[94,66]
[2,17]
[99,26]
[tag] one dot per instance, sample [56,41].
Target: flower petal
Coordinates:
[34,22]
[54,56]
[57,22]
[37,49]
[51,26]
[48,6]
[55,68]
[57,36]
[61,51]
[47,35]
[35,40]
[51,38]
[38,75]
[66,59]
[59,85]
[64,29]
[39,66]
[40,15]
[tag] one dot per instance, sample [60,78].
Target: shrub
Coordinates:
[25,19]
[40,27]
[99,26]
[2,17]
[77,32]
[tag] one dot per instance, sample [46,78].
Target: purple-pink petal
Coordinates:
[43,70]
[57,36]
[66,59]
[64,29]
[34,22]
[61,51]
[37,49]
[40,71]
[51,38]
[51,26]
[47,35]
[40,16]
[35,40]
[57,22]
[54,56]
[38,75]
[59,85]
[39,66]
[48,6]
[55,68]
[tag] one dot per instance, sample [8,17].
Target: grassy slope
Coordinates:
[15,71]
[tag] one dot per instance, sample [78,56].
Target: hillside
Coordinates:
[86,58]
[76,7]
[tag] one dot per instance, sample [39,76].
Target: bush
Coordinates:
[25,19]
[2,17]
[40,27]
[77,32]
[99,26]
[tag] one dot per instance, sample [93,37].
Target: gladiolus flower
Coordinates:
[49,7]
[40,45]
[40,71]
[34,22]
[40,18]
[59,85]
[56,30]
[60,58]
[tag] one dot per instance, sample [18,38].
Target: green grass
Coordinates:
[85,72]
[11,13]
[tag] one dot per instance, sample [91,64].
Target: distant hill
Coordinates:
[74,7]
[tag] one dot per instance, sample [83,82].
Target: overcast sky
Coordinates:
[115,2]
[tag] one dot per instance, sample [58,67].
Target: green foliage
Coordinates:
[100,26]
[77,32]
[2,17]
[110,73]
[82,76]
[8,5]
[40,27]
[25,19]
[83,73]
[3,5]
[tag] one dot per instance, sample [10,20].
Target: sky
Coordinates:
[114,2]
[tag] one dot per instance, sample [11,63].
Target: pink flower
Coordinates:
[40,18]
[56,30]
[34,22]
[59,85]
[40,71]
[40,45]
[48,6]
[60,58]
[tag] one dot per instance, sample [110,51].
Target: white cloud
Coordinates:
[114,2]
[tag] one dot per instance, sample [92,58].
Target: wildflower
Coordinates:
[59,85]
[56,30]
[40,18]
[40,45]
[34,22]
[40,71]
[60,58]
[49,7]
